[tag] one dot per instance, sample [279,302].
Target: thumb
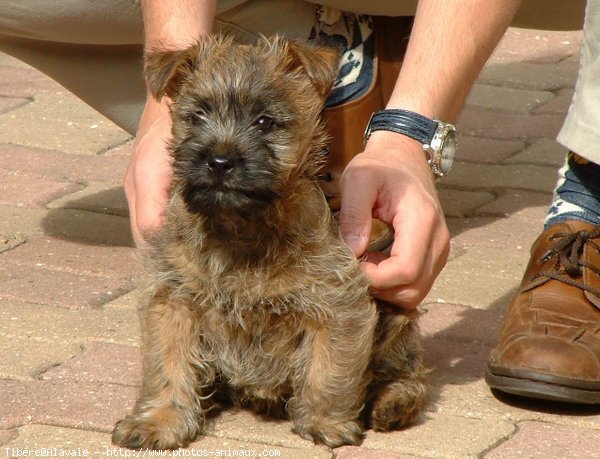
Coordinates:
[355,219]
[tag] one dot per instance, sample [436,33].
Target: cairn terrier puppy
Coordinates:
[256,300]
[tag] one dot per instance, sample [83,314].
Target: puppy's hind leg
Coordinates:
[399,387]
[168,413]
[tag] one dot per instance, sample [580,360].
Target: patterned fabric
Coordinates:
[353,35]
[577,194]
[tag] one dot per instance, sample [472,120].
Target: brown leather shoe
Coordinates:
[549,347]
[346,123]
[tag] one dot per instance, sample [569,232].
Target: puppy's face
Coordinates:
[245,118]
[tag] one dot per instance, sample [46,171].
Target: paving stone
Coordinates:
[506,99]
[460,323]
[490,176]
[25,358]
[91,260]
[356,452]
[130,301]
[125,150]
[471,399]
[98,444]
[474,399]
[217,447]
[514,233]
[443,436]
[560,103]
[96,197]
[9,103]
[474,268]
[58,288]
[62,440]
[60,325]
[20,222]
[539,440]
[61,167]
[7,435]
[546,152]
[9,61]
[482,150]
[503,125]
[526,75]
[10,242]
[60,122]
[65,404]
[459,203]
[87,227]
[455,362]
[575,58]
[511,201]
[541,46]
[74,225]
[24,190]
[223,447]
[22,81]
[244,426]
[101,362]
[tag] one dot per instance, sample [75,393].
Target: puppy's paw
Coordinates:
[332,433]
[397,405]
[158,429]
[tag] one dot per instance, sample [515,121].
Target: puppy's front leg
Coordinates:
[327,403]
[168,413]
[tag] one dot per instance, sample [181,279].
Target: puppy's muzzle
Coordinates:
[220,165]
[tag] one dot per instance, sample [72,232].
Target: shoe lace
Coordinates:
[568,248]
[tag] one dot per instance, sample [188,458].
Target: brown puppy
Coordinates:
[255,297]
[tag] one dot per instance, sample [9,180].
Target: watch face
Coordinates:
[442,149]
[448,152]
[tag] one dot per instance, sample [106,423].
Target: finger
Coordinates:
[130,195]
[409,296]
[355,217]
[146,188]
[408,256]
[406,297]
[151,200]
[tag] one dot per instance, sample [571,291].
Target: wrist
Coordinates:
[398,150]
[437,138]
[154,112]
[176,24]
[396,144]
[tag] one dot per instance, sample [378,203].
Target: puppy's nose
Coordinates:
[220,164]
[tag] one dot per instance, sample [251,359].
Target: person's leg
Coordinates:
[549,346]
[91,48]
[94,49]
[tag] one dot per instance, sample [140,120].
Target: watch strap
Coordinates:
[404,122]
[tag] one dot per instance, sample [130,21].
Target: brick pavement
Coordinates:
[69,337]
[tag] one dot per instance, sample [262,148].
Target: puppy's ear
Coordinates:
[320,63]
[166,70]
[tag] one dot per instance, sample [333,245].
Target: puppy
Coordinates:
[256,299]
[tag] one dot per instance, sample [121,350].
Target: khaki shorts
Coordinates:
[94,49]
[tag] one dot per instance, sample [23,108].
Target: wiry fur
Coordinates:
[256,299]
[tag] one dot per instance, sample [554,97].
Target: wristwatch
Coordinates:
[438,137]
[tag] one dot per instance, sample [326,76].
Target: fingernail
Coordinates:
[353,241]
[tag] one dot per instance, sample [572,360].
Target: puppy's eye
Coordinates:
[197,117]
[264,123]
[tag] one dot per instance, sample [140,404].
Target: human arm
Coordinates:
[391,180]
[167,25]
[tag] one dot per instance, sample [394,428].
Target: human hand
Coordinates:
[148,176]
[392,181]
